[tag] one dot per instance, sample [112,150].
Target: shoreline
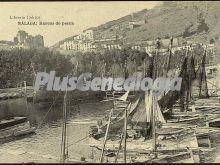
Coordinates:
[13,93]
[21,92]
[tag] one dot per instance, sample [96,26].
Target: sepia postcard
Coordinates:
[110,82]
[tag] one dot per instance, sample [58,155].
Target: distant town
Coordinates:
[89,41]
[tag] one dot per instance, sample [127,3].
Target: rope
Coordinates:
[78,141]
[48,112]
[217,88]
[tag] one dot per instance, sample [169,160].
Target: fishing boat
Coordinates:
[182,157]
[145,124]
[14,127]
[138,136]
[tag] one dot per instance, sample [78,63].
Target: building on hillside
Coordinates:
[166,42]
[81,42]
[78,46]
[88,34]
[134,24]
[136,47]
[114,46]
[107,37]
[209,47]
[77,37]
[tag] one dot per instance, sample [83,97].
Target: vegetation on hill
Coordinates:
[194,20]
[181,19]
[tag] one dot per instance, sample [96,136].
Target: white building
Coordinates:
[114,46]
[88,34]
[78,45]
[136,47]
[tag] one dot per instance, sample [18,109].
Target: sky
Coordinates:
[83,14]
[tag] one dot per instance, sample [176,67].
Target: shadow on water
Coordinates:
[51,113]
[34,112]
[47,139]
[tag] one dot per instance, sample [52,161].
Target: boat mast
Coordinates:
[106,135]
[154,108]
[203,74]
[119,148]
[154,100]
[170,54]
[144,68]
[183,98]
[125,135]
[187,91]
[64,152]
[168,62]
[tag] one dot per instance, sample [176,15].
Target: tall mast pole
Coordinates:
[106,136]
[184,97]
[170,54]
[154,124]
[64,131]
[155,73]
[77,65]
[188,85]
[125,135]
[144,67]
[203,74]
[91,70]
[168,62]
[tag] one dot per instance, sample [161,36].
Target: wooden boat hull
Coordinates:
[15,131]
[184,157]
[24,132]
[142,144]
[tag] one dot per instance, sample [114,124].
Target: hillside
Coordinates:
[195,20]
[199,21]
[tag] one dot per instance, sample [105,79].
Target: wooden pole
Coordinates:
[125,135]
[170,55]
[203,74]
[106,135]
[154,121]
[119,148]
[75,71]
[63,144]
[144,68]
[155,65]
[183,97]
[153,124]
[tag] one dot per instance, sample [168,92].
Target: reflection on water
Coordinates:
[45,144]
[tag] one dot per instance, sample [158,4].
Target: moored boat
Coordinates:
[14,127]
